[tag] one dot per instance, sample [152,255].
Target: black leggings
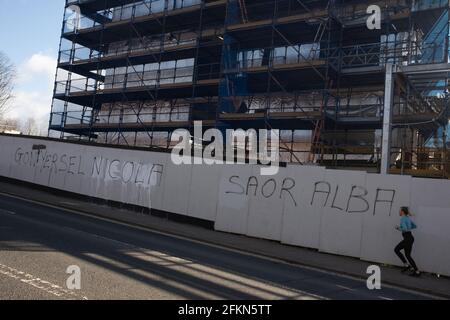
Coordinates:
[407,245]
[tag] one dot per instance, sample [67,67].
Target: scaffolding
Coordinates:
[133,72]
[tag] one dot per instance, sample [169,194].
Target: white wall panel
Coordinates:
[176,189]
[386,195]
[430,208]
[233,204]
[431,249]
[8,148]
[265,216]
[23,165]
[302,215]
[151,183]
[204,191]
[341,223]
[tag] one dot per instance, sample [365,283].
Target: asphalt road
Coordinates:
[38,243]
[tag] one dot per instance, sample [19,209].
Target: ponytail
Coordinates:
[406,211]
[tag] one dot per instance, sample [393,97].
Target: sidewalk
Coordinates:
[430,284]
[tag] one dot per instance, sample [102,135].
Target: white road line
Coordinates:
[68,203]
[222,247]
[40,284]
[345,288]
[8,212]
[160,257]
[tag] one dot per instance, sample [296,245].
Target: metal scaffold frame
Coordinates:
[135,71]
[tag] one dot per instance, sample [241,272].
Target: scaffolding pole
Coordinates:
[387,119]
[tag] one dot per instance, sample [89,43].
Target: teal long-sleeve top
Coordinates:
[406,224]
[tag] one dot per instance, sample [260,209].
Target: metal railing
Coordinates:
[86,54]
[123,114]
[278,56]
[152,78]
[251,11]
[365,55]
[378,54]
[127,12]
[422,161]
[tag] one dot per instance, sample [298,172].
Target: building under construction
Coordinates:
[343,94]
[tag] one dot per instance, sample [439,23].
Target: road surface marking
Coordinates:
[269,289]
[68,203]
[40,284]
[8,212]
[345,288]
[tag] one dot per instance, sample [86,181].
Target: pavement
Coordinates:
[42,234]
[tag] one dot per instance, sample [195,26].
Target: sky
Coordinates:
[29,35]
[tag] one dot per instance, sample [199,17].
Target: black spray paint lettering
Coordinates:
[18,157]
[31,158]
[40,158]
[318,190]
[52,162]
[73,164]
[233,181]
[360,197]
[358,193]
[53,167]
[63,161]
[270,185]
[287,189]
[379,199]
[267,189]
[46,162]
[139,169]
[80,172]
[156,171]
[333,204]
[97,167]
[128,172]
[125,171]
[252,182]
[114,164]
[101,167]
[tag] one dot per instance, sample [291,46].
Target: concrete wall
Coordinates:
[341,212]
